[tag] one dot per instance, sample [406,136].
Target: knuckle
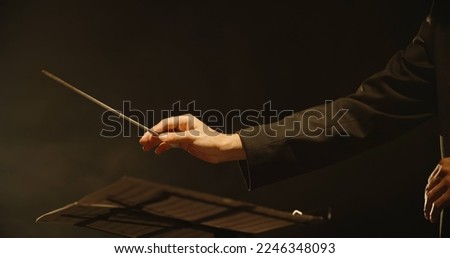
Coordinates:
[185,117]
[169,138]
[445,163]
[447,160]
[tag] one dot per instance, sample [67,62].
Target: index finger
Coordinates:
[428,205]
[174,123]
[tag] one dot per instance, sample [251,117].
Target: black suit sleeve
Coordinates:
[385,106]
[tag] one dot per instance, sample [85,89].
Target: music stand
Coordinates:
[133,207]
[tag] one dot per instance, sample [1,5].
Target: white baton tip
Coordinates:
[297,212]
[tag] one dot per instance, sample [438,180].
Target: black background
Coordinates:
[223,55]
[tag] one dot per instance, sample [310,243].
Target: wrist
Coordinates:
[232,148]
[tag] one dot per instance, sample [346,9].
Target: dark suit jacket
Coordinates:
[412,88]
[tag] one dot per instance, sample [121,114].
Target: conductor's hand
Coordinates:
[192,135]
[437,191]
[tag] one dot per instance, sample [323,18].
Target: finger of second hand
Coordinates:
[432,185]
[427,208]
[434,214]
[434,173]
[430,198]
